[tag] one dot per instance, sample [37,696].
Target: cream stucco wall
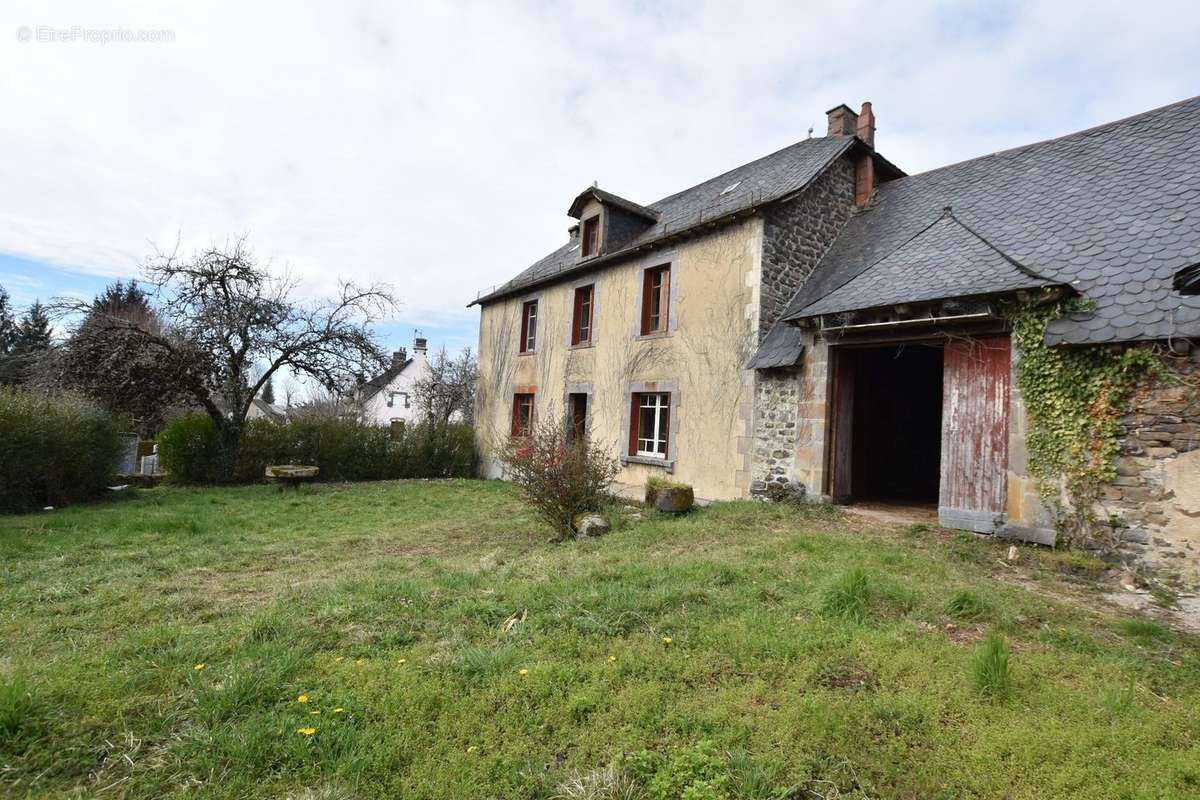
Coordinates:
[701,359]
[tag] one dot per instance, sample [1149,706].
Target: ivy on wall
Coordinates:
[1074,399]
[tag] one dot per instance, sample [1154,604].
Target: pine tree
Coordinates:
[8,324]
[33,335]
[268,391]
[30,340]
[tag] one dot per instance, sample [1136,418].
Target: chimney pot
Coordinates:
[865,127]
[419,345]
[842,121]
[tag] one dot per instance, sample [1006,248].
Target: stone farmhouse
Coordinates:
[821,320]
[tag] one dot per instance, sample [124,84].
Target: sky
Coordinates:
[436,147]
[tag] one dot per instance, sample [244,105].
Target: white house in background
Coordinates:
[388,397]
[261,409]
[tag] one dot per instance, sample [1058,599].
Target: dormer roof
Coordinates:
[610,199]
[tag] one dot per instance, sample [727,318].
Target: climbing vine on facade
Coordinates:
[1074,399]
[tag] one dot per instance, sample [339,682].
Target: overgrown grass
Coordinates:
[992,673]
[157,647]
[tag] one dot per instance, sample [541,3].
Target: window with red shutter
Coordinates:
[656,299]
[522,416]
[529,314]
[581,322]
[591,236]
[649,424]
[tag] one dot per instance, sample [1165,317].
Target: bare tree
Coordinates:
[449,388]
[223,317]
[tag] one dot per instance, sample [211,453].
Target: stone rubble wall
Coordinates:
[1156,494]
[787,429]
[796,235]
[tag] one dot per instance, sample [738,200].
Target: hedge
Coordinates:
[54,449]
[344,450]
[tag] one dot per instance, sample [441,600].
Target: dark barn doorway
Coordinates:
[887,424]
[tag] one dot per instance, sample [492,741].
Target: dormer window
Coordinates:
[591,236]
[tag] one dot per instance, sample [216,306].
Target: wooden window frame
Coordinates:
[589,236]
[529,312]
[520,399]
[577,424]
[582,315]
[655,321]
[662,424]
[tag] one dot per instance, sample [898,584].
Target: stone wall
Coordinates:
[1156,494]
[796,235]
[776,405]
[787,433]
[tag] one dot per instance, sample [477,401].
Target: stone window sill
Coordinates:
[656,335]
[582,346]
[666,464]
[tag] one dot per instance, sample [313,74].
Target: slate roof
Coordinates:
[962,264]
[1113,212]
[612,199]
[379,382]
[781,347]
[762,181]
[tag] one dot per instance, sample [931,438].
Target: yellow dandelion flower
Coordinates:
[314,712]
[306,731]
[199,667]
[401,661]
[612,659]
[340,658]
[338,710]
[360,661]
[472,749]
[524,672]
[302,698]
[667,640]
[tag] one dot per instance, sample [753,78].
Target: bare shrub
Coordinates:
[560,475]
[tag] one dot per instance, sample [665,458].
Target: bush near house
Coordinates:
[560,475]
[54,449]
[344,450]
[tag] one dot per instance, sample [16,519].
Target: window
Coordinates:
[391,398]
[591,236]
[581,327]
[649,424]
[522,419]
[577,410]
[529,326]
[656,299]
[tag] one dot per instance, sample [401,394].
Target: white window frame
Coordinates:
[529,314]
[661,401]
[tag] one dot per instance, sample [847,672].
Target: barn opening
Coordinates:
[888,424]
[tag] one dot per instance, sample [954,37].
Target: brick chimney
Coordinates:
[865,129]
[419,347]
[399,357]
[842,121]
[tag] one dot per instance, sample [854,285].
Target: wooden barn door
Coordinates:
[974,479]
[841,483]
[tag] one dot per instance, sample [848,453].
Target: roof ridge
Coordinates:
[863,271]
[848,139]
[1083,132]
[949,212]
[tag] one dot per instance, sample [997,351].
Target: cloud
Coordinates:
[436,146]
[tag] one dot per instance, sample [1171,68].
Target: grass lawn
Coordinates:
[446,650]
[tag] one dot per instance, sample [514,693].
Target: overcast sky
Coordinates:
[437,146]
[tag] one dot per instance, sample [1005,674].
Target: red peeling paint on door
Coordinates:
[977,374]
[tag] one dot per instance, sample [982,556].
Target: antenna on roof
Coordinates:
[595,184]
[810,130]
